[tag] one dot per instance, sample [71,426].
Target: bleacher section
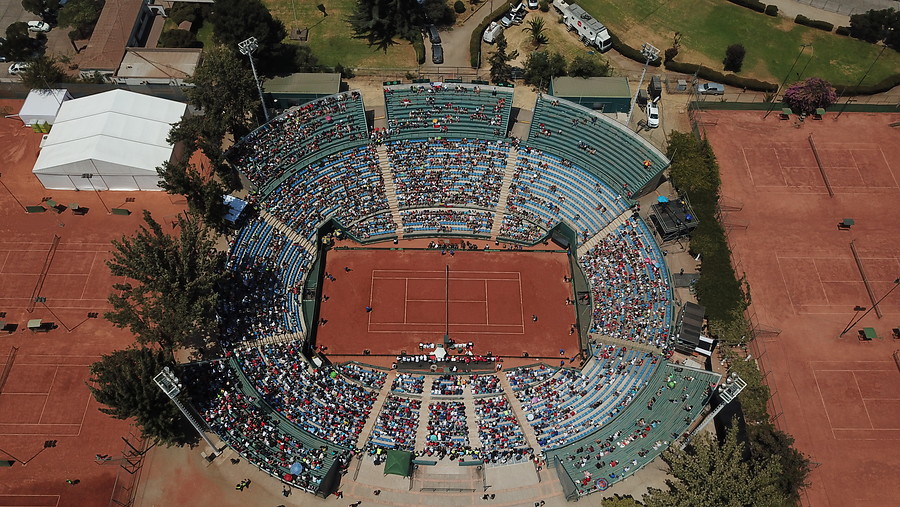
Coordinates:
[451,109]
[659,414]
[546,189]
[265,269]
[439,172]
[234,413]
[409,384]
[299,135]
[372,226]
[447,221]
[596,143]
[324,405]
[629,285]
[347,185]
[573,404]
[397,423]
[367,377]
[499,431]
[524,377]
[448,430]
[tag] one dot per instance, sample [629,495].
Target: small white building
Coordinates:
[42,106]
[109,141]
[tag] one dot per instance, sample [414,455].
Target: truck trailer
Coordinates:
[589,30]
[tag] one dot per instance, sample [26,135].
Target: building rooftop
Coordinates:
[591,87]
[159,63]
[320,84]
[107,45]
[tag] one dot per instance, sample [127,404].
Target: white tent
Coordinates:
[42,106]
[110,141]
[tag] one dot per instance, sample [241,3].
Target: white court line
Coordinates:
[824,408]
[865,407]
[47,394]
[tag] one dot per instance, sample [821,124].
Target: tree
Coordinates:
[235,21]
[620,501]
[459,7]
[178,38]
[204,195]
[535,31]
[43,73]
[734,57]
[170,297]
[541,67]
[438,12]
[586,66]
[46,9]
[226,94]
[81,16]
[501,70]
[810,94]
[876,25]
[18,45]
[380,22]
[707,473]
[766,441]
[123,381]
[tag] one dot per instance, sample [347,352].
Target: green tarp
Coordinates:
[397,463]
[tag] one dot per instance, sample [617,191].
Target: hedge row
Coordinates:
[771,10]
[843,30]
[813,23]
[630,52]
[478,33]
[879,87]
[756,5]
[726,79]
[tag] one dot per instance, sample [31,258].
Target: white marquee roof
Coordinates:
[121,131]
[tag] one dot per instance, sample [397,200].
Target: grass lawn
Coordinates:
[710,26]
[331,38]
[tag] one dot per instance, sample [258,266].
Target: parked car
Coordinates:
[18,68]
[433,34]
[532,4]
[514,16]
[437,54]
[710,89]
[652,115]
[38,26]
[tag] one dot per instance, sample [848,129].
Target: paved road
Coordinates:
[456,42]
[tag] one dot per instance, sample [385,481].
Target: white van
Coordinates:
[492,32]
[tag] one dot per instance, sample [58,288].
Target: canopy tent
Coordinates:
[109,141]
[398,463]
[235,207]
[42,106]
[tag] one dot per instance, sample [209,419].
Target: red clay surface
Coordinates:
[838,397]
[492,297]
[45,396]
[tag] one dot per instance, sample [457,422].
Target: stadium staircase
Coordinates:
[596,238]
[516,406]
[275,338]
[471,419]
[504,192]
[390,190]
[287,231]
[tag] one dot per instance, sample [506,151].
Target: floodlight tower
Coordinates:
[651,54]
[247,47]
[171,385]
[728,390]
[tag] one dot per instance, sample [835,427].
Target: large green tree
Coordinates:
[587,66]
[18,45]
[381,22]
[123,381]
[43,73]
[237,20]
[876,25]
[81,16]
[767,442]
[501,70]
[541,67]
[535,30]
[46,9]
[714,475]
[203,194]
[169,296]
[226,96]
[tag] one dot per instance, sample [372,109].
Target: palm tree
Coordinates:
[536,29]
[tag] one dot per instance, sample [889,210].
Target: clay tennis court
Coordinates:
[837,396]
[59,258]
[488,298]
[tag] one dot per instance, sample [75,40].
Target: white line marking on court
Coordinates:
[90,270]
[747,165]
[47,394]
[784,280]
[855,381]
[405,295]
[487,306]
[824,408]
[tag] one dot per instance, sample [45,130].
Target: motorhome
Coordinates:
[591,31]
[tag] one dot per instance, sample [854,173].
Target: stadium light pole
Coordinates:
[784,81]
[853,323]
[247,47]
[169,383]
[651,54]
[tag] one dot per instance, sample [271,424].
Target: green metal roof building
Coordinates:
[300,88]
[606,94]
